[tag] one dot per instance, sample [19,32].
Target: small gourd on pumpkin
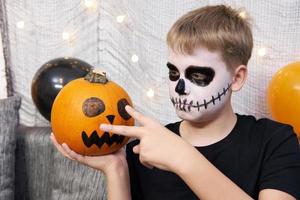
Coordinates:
[81,106]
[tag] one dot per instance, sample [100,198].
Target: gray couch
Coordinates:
[31,168]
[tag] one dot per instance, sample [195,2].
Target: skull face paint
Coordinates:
[199,84]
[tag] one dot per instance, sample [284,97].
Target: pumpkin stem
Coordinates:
[96,76]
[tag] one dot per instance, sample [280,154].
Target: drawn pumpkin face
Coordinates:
[79,109]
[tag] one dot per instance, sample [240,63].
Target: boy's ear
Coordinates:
[239,77]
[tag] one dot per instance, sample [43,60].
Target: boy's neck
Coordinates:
[203,134]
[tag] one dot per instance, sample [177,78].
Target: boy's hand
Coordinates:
[107,163]
[158,146]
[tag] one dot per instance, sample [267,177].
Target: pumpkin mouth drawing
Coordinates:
[99,141]
[106,138]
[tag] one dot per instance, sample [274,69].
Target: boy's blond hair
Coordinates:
[218,28]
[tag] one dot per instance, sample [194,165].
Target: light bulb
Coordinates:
[120,18]
[20,24]
[89,3]
[134,58]
[262,51]
[243,14]
[66,35]
[150,93]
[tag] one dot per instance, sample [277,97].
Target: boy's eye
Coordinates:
[174,75]
[198,79]
[200,76]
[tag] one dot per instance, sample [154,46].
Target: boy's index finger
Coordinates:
[129,131]
[136,115]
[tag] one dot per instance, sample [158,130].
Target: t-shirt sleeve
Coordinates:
[281,165]
[135,186]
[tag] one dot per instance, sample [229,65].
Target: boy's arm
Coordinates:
[118,186]
[201,176]
[267,194]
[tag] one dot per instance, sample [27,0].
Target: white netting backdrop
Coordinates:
[100,40]
[3,93]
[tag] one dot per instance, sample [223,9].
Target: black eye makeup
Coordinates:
[200,76]
[173,72]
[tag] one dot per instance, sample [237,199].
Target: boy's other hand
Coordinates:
[158,146]
[106,163]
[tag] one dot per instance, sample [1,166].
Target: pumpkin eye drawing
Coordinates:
[93,106]
[121,109]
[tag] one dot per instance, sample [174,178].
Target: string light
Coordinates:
[120,18]
[150,93]
[261,52]
[20,24]
[134,58]
[243,14]
[69,38]
[66,35]
[90,3]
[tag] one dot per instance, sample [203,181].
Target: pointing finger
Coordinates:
[129,131]
[136,115]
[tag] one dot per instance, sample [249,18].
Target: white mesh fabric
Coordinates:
[103,42]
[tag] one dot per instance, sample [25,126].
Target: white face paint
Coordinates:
[199,84]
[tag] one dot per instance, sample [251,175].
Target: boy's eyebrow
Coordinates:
[194,66]
[171,66]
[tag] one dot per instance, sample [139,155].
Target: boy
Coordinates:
[212,153]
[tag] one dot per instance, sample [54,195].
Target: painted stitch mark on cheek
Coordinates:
[187,105]
[201,76]
[173,72]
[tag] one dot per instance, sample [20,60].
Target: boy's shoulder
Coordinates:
[249,126]
[248,130]
[174,126]
[263,129]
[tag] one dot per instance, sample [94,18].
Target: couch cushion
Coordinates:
[34,163]
[9,118]
[43,173]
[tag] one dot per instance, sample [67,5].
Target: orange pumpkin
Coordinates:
[79,109]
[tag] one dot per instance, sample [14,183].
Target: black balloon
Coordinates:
[51,77]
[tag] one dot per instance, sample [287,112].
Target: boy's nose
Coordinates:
[180,87]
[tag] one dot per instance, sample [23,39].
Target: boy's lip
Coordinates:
[186,105]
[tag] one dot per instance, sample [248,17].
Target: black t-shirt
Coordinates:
[257,154]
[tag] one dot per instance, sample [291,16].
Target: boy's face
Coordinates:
[199,84]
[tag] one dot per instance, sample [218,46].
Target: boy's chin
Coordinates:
[191,116]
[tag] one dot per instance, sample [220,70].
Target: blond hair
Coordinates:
[218,28]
